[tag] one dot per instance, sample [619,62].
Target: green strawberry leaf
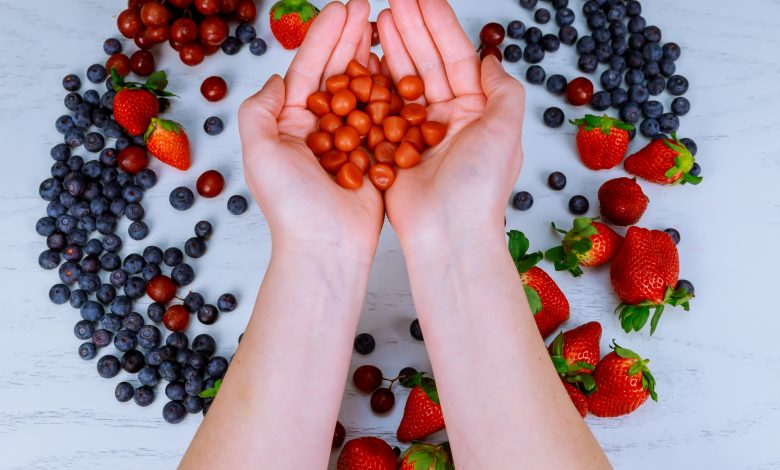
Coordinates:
[581,246]
[518,244]
[157,81]
[534,301]
[428,386]
[557,346]
[656,317]
[689,178]
[555,254]
[528,262]
[588,383]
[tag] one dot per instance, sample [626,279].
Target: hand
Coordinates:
[300,201]
[463,184]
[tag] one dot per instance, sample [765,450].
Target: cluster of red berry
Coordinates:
[194,28]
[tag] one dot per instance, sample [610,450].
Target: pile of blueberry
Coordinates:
[87,197]
[638,64]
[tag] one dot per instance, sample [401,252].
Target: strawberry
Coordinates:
[427,457]
[575,354]
[135,104]
[644,274]
[547,302]
[622,201]
[167,141]
[588,243]
[624,383]
[577,398]
[290,21]
[663,161]
[366,453]
[602,142]
[422,412]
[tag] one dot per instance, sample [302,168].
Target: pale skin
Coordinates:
[502,401]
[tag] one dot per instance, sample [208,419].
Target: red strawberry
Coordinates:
[624,383]
[167,141]
[422,412]
[547,302]
[663,161]
[622,201]
[427,457]
[575,354]
[135,104]
[602,141]
[577,398]
[366,453]
[644,274]
[290,21]
[588,243]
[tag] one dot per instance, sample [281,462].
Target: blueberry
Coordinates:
[149,336]
[78,298]
[197,361]
[564,17]
[194,385]
[133,322]
[182,198]
[69,272]
[535,75]
[108,366]
[231,45]
[656,85]
[617,12]
[110,322]
[56,241]
[206,405]
[550,43]
[150,271]
[135,288]
[689,144]
[588,63]
[122,142]
[671,51]
[611,79]
[667,67]
[45,226]
[110,261]
[601,100]
[138,230]
[364,343]
[144,396]
[515,29]
[91,98]
[89,282]
[652,34]
[173,256]
[113,130]
[134,263]
[618,63]
[405,375]
[84,329]
[568,35]
[674,234]
[87,351]
[638,94]
[649,127]
[155,312]
[71,82]
[227,302]
[94,142]
[604,53]
[208,314]
[590,7]
[173,412]
[93,247]
[245,33]
[578,205]
[125,340]
[63,124]
[91,264]
[415,331]
[585,45]
[193,403]
[636,25]
[122,305]
[618,31]
[102,338]
[177,339]
[634,59]
[528,4]
[124,392]
[106,224]
[59,170]
[556,84]
[50,189]
[533,35]
[677,85]
[652,109]
[134,211]
[237,204]
[556,180]
[695,170]
[112,243]
[77,236]
[619,97]
[258,46]
[107,102]
[558,4]
[203,229]
[522,201]
[213,125]
[685,284]
[669,122]
[633,8]
[553,117]
[651,69]
[73,101]
[175,390]
[601,35]
[513,53]
[148,376]
[217,367]
[182,274]
[597,20]
[533,54]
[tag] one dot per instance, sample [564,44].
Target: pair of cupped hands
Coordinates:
[460,189]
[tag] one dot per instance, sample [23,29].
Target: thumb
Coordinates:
[257,114]
[505,106]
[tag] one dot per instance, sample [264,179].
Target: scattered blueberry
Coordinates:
[677,85]
[630,112]
[71,82]
[102,338]
[611,79]
[415,330]
[175,391]
[149,336]
[203,229]
[649,127]
[578,205]
[108,366]
[155,312]
[685,284]
[652,109]
[227,302]
[522,201]
[568,35]
[231,45]
[535,75]
[586,45]
[656,85]
[182,198]
[138,230]
[133,322]
[556,180]
[550,43]
[213,126]
[674,234]
[528,4]
[515,29]
[513,53]
[182,274]
[173,412]
[557,84]
[681,106]
[695,169]
[237,205]
[217,367]
[112,46]
[208,314]
[364,343]
[619,97]
[124,392]
[84,329]
[173,256]
[533,54]
[87,351]
[258,46]
[601,100]
[564,17]
[690,145]
[588,63]
[533,35]
[144,396]
[553,117]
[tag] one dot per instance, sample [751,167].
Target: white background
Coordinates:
[717,367]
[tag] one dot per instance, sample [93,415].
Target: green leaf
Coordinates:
[211,392]
[157,81]
[689,178]
[584,365]
[518,244]
[582,246]
[555,254]
[534,301]
[428,386]
[588,383]
[656,316]
[557,345]
[529,261]
[671,172]
[640,318]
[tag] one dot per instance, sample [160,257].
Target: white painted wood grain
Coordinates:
[717,367]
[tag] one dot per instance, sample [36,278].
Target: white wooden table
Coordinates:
[717,367]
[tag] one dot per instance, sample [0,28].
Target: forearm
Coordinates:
[285,383]
[502,400]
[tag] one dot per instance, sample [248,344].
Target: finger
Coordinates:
[364,48]
[383,67]
[460,60]
[505,105]
[257,114]
[399,62]
[351,37]
[304,75]
[374,65]
[409,20]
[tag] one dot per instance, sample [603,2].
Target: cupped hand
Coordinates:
[300,201]
[463,184]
